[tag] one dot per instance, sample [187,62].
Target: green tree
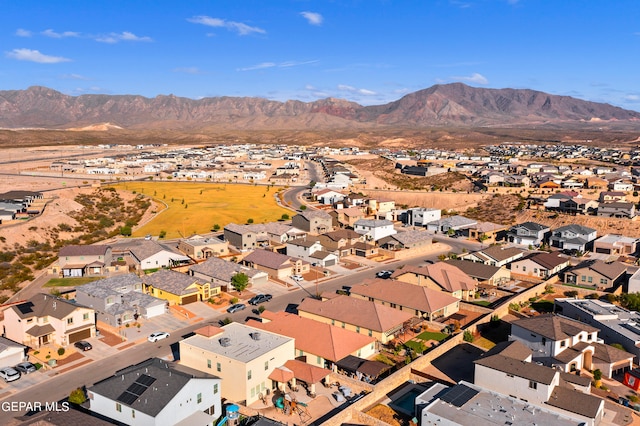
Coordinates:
[250,220]
[162,234]
[303,207]
[630,301]
[126,231]
[284,216]
[240,282]
[77,396]
[216,227]
[467,336]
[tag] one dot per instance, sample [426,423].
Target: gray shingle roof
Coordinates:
[42,305]
[171,281]
[169,380]
[525,370]
[221,269]
[79,250]
[268,259]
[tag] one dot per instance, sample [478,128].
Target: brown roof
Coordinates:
[341,234]
[554,327]
[513,349]
[449,277]
[95,250]
[268,259]
[41,330]
[404,294]
[313,337]
[526,370]
[548,260]
[571,378]
[306,372]
[281,374]
[475,269]
[42,305]
[359,312]
[609,354]
[611,270]
[501,253]
[209,331]
[575,402]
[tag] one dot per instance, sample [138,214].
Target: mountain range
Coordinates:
[453,105]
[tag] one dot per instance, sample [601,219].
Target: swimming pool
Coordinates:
[406,402]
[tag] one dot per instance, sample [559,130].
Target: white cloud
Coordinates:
[74,77]
[312,17]
[259,66]
[188,70]
[53,34]
[286,64]
[632,98]
[23,33]
[34,56]
[473,78]
[124,36]
[239,27]
[351,89]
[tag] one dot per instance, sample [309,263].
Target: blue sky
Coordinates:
[367,51]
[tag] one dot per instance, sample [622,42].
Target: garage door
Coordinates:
[189,299]
[330,262]
[79,335]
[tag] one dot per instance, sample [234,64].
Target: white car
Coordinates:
[9,374]
[158,335]
[297,277]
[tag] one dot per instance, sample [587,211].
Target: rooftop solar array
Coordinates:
[459,395]
[136,389]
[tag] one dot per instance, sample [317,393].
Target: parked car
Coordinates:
[297,277]
[235,308]
[384,274]
[9,374]
[260,298]
[158,335]
[25,368]
[83,345]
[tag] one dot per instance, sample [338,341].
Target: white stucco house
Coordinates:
[374,229]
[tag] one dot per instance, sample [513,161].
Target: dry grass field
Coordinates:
[193,208]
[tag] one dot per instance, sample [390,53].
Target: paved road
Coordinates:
[58,387]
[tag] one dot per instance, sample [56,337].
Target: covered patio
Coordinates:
[294,371]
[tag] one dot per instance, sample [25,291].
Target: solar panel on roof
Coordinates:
[136,389]
[127,398]
[146,380]
[459,395]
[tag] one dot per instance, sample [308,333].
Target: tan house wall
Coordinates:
[235,385]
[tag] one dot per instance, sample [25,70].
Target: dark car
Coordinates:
[83,345]
[384,274]
[260,298]
[25,367]
[235,308]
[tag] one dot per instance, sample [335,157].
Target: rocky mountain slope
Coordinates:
[442,105]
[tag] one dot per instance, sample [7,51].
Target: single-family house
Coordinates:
[45,319]
[277,265]
[198,247]
[219,273]
[539,265]
[119,300]
[487,232]
[408,240]
[341,242]
[597,274]
[553,202]
[313,221]
[382,322]
[346,217]
[11,353]
[420,301]
[243,357]
[451,224]
[568,345]
[157,392]
[618,209]
[319,344]
[612,196]
[440,276]
[494,255]
[484,274]
[176,288]
[81,260]
[528,234]
[578,205]
[240,237]
[149,254]
[374,229]
[615,244]
[420,216]
[328,196]
[573,237]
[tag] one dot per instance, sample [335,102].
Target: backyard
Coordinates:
[195,207]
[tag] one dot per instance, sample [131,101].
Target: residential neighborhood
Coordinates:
[350,302]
